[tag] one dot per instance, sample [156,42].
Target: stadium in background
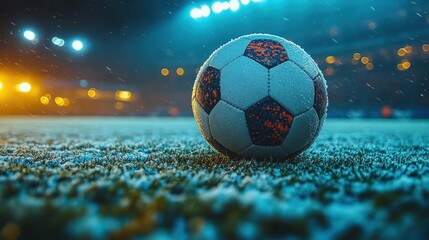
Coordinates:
[375,59]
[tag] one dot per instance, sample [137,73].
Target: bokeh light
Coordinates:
[245,2]
[356,56]
[331,59]
[29,35]
[217,7]
[77,45]
[23,87]
[364,60]
[180,71]
[1,85]
[118,105]
[58,41]
[92,93]
[165,72]
[196,13]
[234,5]
[44,100]
[205,11]
[123,95]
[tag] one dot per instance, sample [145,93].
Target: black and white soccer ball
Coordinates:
[260,96]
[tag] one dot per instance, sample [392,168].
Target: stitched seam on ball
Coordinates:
[232,105]
[230,62]
[308,74]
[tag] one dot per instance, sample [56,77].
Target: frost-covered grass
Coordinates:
[120,178]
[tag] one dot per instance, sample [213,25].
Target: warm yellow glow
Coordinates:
[406,65]
[66,102]
[425,48]
[119,105]
[356,56]
[123,95]
[59,101]
[330,59]
[400,67]
[92,92]
[364,60]
[401,52]
[165,72]
[180,71]
[1,85]
[23,87]
[408,49]
[44,100]
[369,66]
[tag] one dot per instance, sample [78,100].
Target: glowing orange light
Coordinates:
[356,56]
[400,67]
[123,95]
[92,92]
[180,71]
[165,72]
[425,48]
[173,111]
[119,105]
[386,111]
[406,65]
[330,59]
[23,87]
[401,52]
[369,66]
[364,60]
[408,49]
[1,85]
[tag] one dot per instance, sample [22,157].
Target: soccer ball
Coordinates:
[260,96]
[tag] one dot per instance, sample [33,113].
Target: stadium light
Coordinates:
[77,45]
[217,7]
[234,5]
[196,13]
[205,11]
[225,5]
[23,87]
[29,35]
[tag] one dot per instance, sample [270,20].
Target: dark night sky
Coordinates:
[128,42]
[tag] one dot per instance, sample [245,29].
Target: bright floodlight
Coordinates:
[245,2]
[196,13]
[205,11]
[77,45]
[29,35]
[217,7]
[234,5]
[225,5]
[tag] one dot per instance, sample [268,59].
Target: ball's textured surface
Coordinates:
[260,96]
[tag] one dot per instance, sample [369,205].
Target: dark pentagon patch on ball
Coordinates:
[268,122]
[269,53]
[208,89]
[220,148]
[319,97]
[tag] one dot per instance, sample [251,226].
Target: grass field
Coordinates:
[120,178]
